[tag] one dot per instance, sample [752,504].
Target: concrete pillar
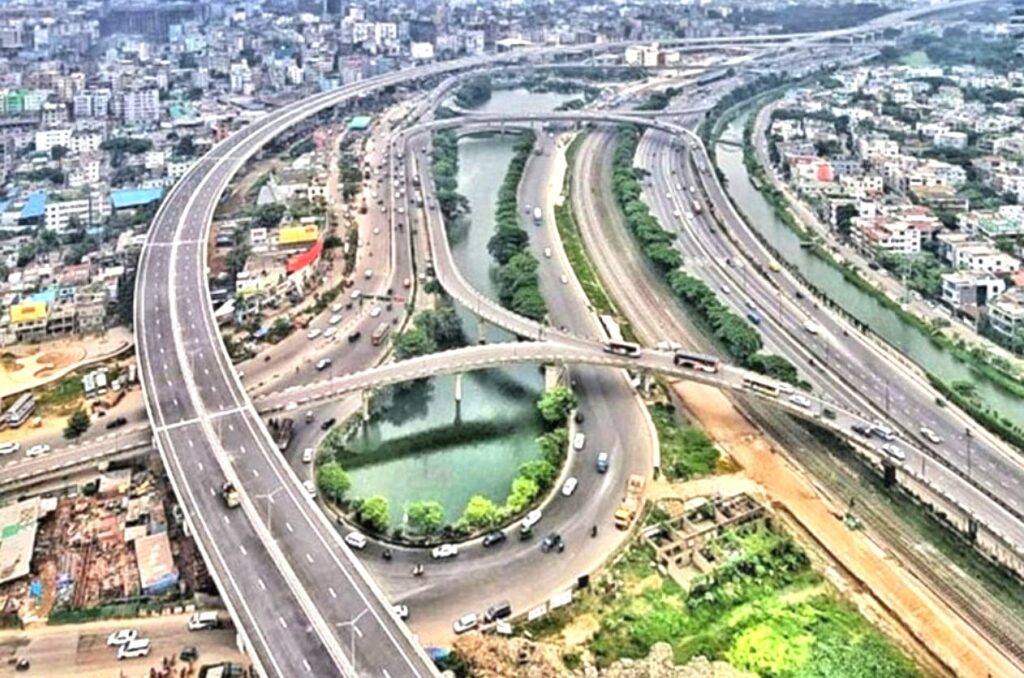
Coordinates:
[555,375]
[458,387]
[366,406]
[481,330]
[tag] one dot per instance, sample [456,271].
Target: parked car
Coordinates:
[356,540]
[139,647]
[466,622]
[121,637]
[569,486]
[116,423]
[444,551]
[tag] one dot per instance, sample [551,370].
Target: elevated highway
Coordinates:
[303,605]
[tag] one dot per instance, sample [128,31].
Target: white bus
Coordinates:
[20,411]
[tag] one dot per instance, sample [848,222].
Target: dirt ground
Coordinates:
[927,618]
[27,366]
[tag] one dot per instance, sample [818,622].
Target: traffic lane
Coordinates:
[317,557]
[258,592]
[916,403]
[998,516]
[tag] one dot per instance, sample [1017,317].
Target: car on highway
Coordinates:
[578,417]
[569,486]
[121,637]
[307,455]
[466,622]
[883,432]
[116,423]
[800,401]
[893,452]
[355,294]
[356,540]
[861,429]
[313,333]
[530,519]
[564,279]
[327,423]
[139,647]
[601,464]
[354,337]
[329,332]
[552,542]
[336,318]
[547,252]
[335,308]
[375,311]
[9,448]
[578,441]
[401,611]
[444,551]
[323,364]
[37,450]
[406,282]
[493,538]
[310,487]
[368,273]
[930,435]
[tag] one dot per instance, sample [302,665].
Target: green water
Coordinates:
[861,305]
[474,448]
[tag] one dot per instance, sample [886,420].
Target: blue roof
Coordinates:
[35,206]
[48,295]
[135,197]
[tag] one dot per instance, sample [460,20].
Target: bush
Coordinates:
[556,403]
[332,480]
[375,513]
[77,424]
[426,517]
[480,514]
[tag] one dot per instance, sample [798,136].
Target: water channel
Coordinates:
[475,448]
[861,305]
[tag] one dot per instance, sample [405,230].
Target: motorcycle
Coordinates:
[417,571]
[386,555]
[593,531]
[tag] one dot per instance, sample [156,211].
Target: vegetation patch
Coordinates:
[686,451]
[762,610]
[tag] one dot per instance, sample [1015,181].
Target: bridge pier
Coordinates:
[481,330]
[555,375]
[366,405]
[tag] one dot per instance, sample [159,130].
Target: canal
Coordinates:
[424,446]
[858,303]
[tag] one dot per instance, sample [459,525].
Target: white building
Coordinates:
[141,106]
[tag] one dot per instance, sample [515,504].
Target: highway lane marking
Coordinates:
[309,558]
[332,592]
[241,547]
[284,624]
[261,584]
[256,473]
[305,662]
[288,526]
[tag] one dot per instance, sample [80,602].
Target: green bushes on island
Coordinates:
[444,166]
[516,273]
[738,337]
[476,92]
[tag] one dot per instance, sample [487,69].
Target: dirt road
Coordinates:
[930,620]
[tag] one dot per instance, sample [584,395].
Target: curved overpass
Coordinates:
[303,605]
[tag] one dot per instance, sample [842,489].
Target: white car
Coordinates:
[355,294]
[336,318]
[37,450]
[376,231]
[569,486]
[307,455]
[564,278]
[800,401]
[139,647]
[121,637]
[9,448]
[725,289]
[322,364]
[336,308]
[401,611]
[368,274]
[445,551]
[578,441]
[466,622]
[313,333]
[931,435]
[531,519]
[547,252]
[310,487]
[329,332]
[356,540]
[375,311]
[893,452]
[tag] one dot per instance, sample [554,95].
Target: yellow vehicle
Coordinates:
[631,503]
[774,266]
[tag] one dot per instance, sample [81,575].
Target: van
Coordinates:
[201,621]
[602,462]
[138,647]
[498,611]
[578,441]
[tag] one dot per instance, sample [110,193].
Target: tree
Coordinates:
[375,513]
[556,404]
[539,471]
[78,423]
[424,516]
[844,216]
[333,480]
[58,152]
[185,148]
[481,513]
[413,342]
[522,493]
[268,216]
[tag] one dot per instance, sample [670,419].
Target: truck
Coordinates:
[229,494]
[631,503]
[282,430]
[538,216]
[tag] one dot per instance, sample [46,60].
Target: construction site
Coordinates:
[110,545]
